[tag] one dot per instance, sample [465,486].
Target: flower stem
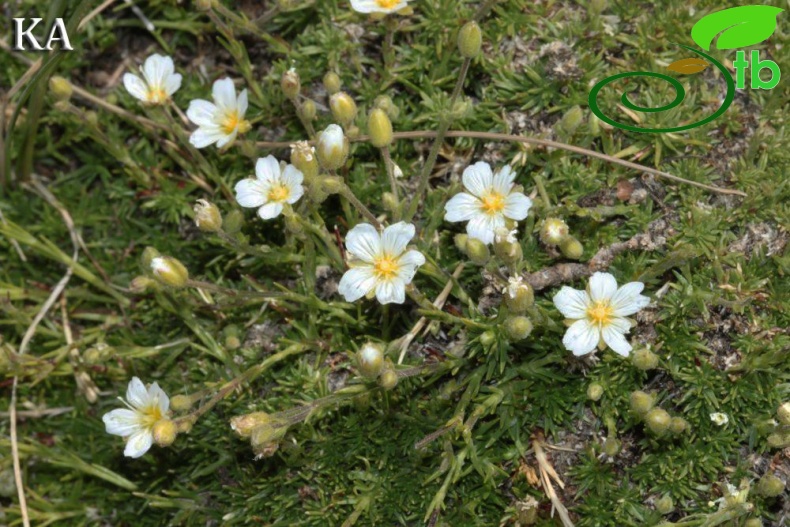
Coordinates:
[347,193]
[390,167]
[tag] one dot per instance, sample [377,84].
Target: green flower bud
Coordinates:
[389,202]
[460,242]
[149,253]
[370,360]
[317,193]
[232,340]
[770,486]
[332,82]
[644,359]
[388,379]
[553,231]
[385,103]
[379,128]
[594,391]
[307,110]
[208,218]
[332,147]
[181,403]
[169,271]
[678,425]
[753,522]
[778,440]
[571,248]
[571,120]
[304,159]
[164,432]
[477,251]
[611,446]
[343,107]
[664,504]
[641,402]
[507,248]
[488,339]
[332,184]
[657,421]
[290,84]
[61,88]
[141,284]
[265,437]
[470,39]
[352,132]
[519,295]
[234,221]
[244,425]
[597,6]
[292,223]
[518,328]
[185,423]
[204,5]
[783,414]
[7,485]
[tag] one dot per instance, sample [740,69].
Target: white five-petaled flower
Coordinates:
[159,81]
[488,202]
[221,121]
[599,314]
[380,263]
[378,6]
[135,424]
[719,419]
[272,188]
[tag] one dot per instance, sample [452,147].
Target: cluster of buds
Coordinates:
[657,420]
[780,436]
[555,232]
[159,270]
[371,364]
[262,429]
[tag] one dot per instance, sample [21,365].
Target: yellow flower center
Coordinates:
[279,192]
[387,4]
[493,203]
[233,121]
[156,95]
[150,415]
[386,267]
[601,312]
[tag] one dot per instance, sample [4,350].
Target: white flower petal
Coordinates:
[603,286]
[270,210]
[135,86]
[478,178]
[156,68]
[396,237]
[357,282]
[138,444]
[517,206]
[268,169]
[503,180]
[224,93]
[297,191]
[462,207]
[227,139]
[136,393]
[172,83]
[627,300]
[483,227]
[202,113]
[581,338]
[121,422]
[572,303]
[391,291]
[291,176]
[157,396]
[372,6]
[616,340]
[251,192]
[408,264]
[364,242]
[242,103]
[205,136]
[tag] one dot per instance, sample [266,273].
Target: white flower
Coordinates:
[136,423]
[719,419]
[514,283]
[221,121]
[380,263]
[488,202]
[272,188]
[159,81]
[378,6]
[599,314]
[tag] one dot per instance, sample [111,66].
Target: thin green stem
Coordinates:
[390,167]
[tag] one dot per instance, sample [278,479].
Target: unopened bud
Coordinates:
[488,339]
[149,253]
[389,202]
[352,131]
[232,340]
[343,107]
[164,432]
[770,486]
[783,414]
[208,218]
[641,402]
[370,360]
[234,221]
[506,246]
[518,328]
[571,248]
[753,522]
[644,359]
[293,224]
[332,147]
[332,184]
[657,420]
[778,440]
[204,5]
[264,435]
[185,424]
[460,241]
[388,379]
[169,271]
[307,110]
[519,295]
[304,159]
[379,128]
[290,84]
[664,505]
[553,231]
[477,251]
[332,82]
[140,284]
[470,39]
[594,391]
[611,446]
[61,88]
[180,403]
[245,424]
[678,425]
[571,120]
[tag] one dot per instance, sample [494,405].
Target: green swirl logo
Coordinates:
[739,27]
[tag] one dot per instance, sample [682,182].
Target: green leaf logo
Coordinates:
[739,27]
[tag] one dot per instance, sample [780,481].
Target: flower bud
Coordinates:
[388,379]
[644,359]
[204,5]
[304,159]
[571,120]
[389,202]
[664,504]
[379,128]
[678,425]
[641,402]
[169,271]
[470,38]
[231,334]
[553,231]
[783,414]
[657,421]
[292,222]
[770,486]
[370,360]
[265,434]
[332,184]
[140,284]
[506,247]
[343,107]
[164,432]
[352,132]
[753,522]
[332,82]
[571,248]
[460,241]
[477,251]
[519,295]
[149,253]
[332,147]
[487,339]
[518,328]
[307,110]
[611,446]
[208,218]
[778,440]
[61,88]
[594,391]
[180,403]
[234,221]
[245,424]
[185,424]
[290,84]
